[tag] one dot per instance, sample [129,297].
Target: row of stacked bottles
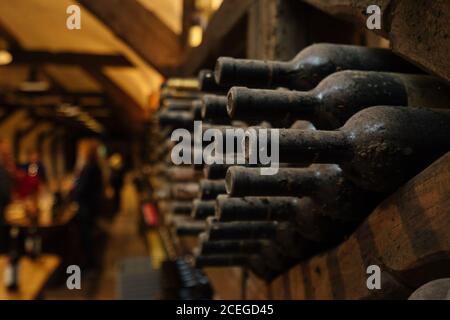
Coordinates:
[353,125]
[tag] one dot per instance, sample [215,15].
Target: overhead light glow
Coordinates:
[195,36]
[5,57]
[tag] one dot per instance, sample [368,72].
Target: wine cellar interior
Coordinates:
[227,150]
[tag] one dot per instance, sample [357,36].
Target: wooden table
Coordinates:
[33,276]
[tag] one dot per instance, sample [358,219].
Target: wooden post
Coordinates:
[276,29]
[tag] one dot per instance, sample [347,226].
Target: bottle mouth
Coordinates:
[230,102]
[229,186]
[235,177]
[205,77]
[224,71]
[239,100]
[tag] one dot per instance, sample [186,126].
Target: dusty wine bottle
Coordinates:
[184,191]
[215,170]
[313,220]
[181,207]
[214,109]
[179,119]
[255,209]
[193,228]
[210,189]
[207,82]
[283,234]
[272,257]
[379,148]
[338,197]
[338,97]
[309,67]
[202,209]
[221,260]
[182,174]
[232,246]
[177,104]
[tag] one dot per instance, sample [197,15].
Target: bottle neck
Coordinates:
[232,246]
[219,260]
[251,73]
[293,182]
[242,230]
[210,189]
[307,146]
[214,108]
[203,209]
[259,104]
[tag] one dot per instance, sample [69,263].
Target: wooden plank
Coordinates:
[257,289]
[69,58]
[220,25]
[406,236]
[418,30]
[141,29]
[33,275]
[226,282]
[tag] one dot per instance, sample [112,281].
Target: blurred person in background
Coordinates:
[32,176]
[7,172]
[116,179]
[87,192]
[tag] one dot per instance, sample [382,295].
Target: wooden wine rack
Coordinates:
[407,235]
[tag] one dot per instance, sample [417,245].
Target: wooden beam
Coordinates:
[131,113]
[418,30]
[220,25]
[69,58]
[7,35]
[142,30]
[406,236]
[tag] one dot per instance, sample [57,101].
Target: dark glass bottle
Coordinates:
[308,68]
[207,82]
[202,209]
[283,234]
[181,207]
[179,119]
[232,246]
[338,197]
[338,97]
[221,260]
[184,191]
[316,221]
[214,109]
[210,189]
[379,148]
[192,228]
